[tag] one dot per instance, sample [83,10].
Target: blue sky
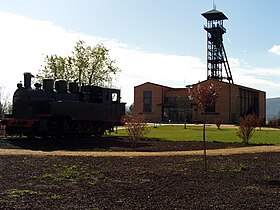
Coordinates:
[160,41]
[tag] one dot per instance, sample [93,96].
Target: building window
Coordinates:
[147,101]
[177,109]
[249,102]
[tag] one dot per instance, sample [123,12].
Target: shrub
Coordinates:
[242,167]
[260,122]
[247,127]
[218,122]
[273,123]
[136,127]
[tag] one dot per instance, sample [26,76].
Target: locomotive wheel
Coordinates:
[98,131]
[66,126]
[31,136]
[76,129]
[66,129]
[88,129]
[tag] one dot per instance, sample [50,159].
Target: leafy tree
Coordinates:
[86,64]
[205,97]
[57,67]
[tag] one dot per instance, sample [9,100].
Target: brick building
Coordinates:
[159,103]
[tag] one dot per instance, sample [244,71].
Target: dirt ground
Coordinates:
[108,174]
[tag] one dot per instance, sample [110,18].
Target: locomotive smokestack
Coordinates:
[27,79]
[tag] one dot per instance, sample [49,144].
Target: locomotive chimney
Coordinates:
[27,80]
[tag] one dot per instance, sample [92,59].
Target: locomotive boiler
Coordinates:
[62,109]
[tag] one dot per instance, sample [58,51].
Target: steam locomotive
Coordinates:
[62,109]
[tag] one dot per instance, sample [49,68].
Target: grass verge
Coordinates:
[194,133]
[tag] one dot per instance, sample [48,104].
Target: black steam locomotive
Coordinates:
[61,109]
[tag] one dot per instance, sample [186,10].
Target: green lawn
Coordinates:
[194,133]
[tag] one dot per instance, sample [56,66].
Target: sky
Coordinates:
[159,41]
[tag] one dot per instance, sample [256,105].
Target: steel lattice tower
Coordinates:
[216,54]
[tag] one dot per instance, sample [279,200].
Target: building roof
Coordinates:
[150,83]
[162,86]
[223,82]
[214,15]
[208,80]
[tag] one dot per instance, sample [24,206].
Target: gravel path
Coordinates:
[226,151]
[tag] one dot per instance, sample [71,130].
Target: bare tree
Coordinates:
[205,97]
[5,104]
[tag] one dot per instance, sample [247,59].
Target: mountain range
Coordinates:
[272,108]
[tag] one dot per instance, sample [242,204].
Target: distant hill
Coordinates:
[272,107]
